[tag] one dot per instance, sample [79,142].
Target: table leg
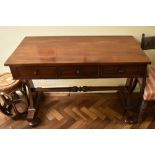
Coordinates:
[33,119]
[129,83]
[129,115]
[143,103]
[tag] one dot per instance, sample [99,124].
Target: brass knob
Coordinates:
[36,72]
[77,72]
[120,71]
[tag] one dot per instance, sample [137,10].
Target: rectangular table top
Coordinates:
[52,50]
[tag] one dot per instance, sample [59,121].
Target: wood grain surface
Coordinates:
[77,50]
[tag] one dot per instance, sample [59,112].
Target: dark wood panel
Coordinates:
[147,42]
[75,71]
[59,72]
[78,72]
[35,72]
[123,70]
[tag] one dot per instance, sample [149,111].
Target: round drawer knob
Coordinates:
[36,72]
[77,72]
[120,71]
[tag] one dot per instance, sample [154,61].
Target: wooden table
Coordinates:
[77,57]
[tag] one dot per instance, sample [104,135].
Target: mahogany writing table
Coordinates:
[77,57]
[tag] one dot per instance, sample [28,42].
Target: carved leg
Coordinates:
[24,91]
[32,117]
[5,107]
[18,114]
[142,109]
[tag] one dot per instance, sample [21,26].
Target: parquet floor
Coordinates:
[84,111]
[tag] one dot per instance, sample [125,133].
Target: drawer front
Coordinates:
[78,72]
[64,72]
[122,71]
[33,72]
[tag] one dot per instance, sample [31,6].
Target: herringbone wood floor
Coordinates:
[90,111]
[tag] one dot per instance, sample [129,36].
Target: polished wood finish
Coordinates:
[78,89]
[75,57]
[77,72]
[122,70]
[35,72]
[85,50]
[83,111]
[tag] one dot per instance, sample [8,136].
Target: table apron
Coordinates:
[77,72]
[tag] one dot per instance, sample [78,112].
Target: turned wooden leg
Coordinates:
[24,91]
[142,109]
[32,117]
[6,107]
